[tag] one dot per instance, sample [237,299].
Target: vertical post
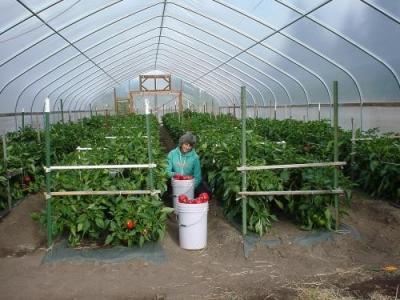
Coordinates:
[275,111]
[23,118]
[244,177]
[270,109]
[307,111]
[62,111]
[234,110]
[69,116]
[319,111]
[115,100]
[156,104]
[38,129]
[361,116]
[149,150]
[48,174]
[90,109]
[163,109]
[180,104]
[335,148]
[353,149]
[5,168]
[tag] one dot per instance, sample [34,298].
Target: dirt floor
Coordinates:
[343,266]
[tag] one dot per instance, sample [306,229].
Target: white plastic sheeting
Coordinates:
[284,51]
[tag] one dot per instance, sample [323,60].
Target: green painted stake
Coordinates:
[23,119]
[149,149]
[62,111]
[5,161]
[48,174]
[335,149]
[353,149]
[244,177]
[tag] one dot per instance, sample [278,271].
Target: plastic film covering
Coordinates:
[286,52]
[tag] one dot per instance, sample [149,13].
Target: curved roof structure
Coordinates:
[285,51]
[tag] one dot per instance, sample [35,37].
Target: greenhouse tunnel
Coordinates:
[287,53]
[286,111]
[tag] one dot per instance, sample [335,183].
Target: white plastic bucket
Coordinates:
[182,187]
[192,225]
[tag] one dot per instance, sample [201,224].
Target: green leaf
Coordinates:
[109,239]
[100,222]
[167,210]
[279,203]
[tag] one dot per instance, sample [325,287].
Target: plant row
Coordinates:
[220,151]
[25,156]
[114,220]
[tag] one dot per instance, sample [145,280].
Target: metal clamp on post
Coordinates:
[46,169]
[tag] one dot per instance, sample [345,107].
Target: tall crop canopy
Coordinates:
[286,52]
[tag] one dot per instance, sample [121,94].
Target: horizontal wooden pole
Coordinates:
[92,167]
[13,173]
[394,103]
[282,193]
[371,139]
[105,193]
[124,136]
[83,148]
[293,166]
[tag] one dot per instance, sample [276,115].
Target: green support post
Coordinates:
[62,111]
[23,119]
[244,175]
[48,174]
[353,149]
[5,160]
[335,148]
[149,149]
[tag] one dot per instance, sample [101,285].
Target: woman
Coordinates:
[183,160]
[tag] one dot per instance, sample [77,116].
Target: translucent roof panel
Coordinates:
[285,52]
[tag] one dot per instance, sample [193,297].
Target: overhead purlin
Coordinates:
[209,55]
[53,54]
[235,45]
[275,100]
[159,36]
[96,30]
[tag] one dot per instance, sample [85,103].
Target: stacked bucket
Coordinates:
[192,213]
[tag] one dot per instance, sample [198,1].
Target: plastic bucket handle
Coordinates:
[198,221]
